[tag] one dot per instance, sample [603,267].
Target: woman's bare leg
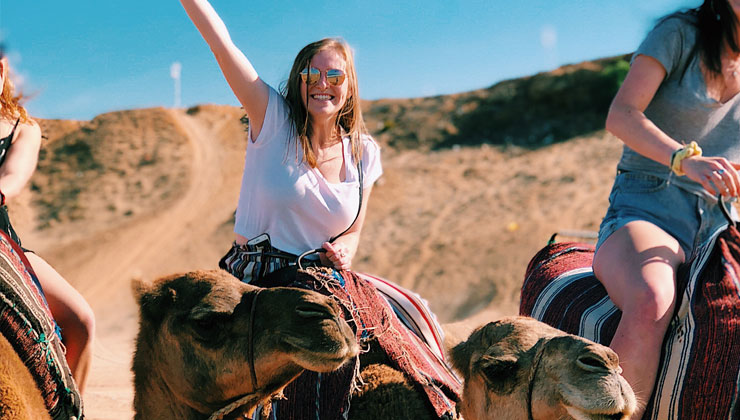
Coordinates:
[73,314]
[637,265]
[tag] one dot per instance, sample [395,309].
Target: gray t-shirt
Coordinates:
[681,106]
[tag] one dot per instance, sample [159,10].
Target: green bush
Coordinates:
[616,72]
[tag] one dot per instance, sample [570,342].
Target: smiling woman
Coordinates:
[309,162]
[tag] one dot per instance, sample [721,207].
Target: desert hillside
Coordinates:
[474,184]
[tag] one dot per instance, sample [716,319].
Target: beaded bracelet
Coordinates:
[691,149]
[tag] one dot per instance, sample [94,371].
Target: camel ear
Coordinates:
[153,301]
[461,354]
[139,287]
[499,371]
[460,357]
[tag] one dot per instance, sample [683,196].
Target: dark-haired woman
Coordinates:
[20,140]
[301,181]
[678,114]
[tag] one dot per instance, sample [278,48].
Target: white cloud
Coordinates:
[549,42]
[549,37]
[17,74]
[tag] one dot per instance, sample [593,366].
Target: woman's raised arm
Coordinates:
[249,89]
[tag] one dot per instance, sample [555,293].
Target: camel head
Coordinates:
[520,368]
[202,332]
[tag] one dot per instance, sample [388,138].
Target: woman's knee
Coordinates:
[86,319]
[77,323]
[650,304]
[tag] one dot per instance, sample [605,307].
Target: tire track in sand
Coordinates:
[105,278]
[414,267]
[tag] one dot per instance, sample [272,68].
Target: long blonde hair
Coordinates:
[10,104]
[349,121]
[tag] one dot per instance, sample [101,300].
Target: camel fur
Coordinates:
[20,398]
[385,392]
[191,351]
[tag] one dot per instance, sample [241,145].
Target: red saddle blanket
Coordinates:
[25,320]
[699,373]
[327,396]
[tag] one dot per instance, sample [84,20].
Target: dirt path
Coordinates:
[147,247]
[434,234]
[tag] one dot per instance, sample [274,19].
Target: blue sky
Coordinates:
[80,58]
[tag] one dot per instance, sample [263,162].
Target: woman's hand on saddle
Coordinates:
[337,255]
[716,174]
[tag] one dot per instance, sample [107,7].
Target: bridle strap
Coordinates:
[250,343]
[533,375]
[220,414]
[725,211]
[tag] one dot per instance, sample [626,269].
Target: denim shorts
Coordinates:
[689,218]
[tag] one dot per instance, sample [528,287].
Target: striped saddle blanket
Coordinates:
[699,373]
[26,322]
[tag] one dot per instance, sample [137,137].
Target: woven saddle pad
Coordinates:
[26,322]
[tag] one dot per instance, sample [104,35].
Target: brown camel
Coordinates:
[520,368]
[20,398]
[210,345]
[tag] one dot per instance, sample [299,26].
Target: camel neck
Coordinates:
[153,396]
[155,400]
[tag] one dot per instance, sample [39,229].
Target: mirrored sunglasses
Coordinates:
[334,77]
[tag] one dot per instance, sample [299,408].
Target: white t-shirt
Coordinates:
[289,200]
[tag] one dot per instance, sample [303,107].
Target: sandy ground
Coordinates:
[457,226]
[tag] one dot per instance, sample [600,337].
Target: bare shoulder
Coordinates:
[28,131]
[28,137]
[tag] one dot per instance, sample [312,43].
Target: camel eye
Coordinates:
[208,326]
[500,372]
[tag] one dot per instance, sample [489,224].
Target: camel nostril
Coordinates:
[592,363]
[314,311]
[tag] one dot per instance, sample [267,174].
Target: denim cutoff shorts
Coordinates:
[687,217]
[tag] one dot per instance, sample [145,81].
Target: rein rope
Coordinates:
[221,413]
[535,368]
[250,338]
[725,210]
